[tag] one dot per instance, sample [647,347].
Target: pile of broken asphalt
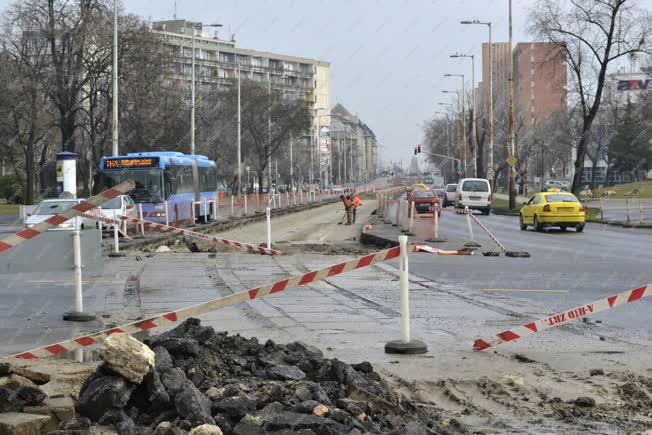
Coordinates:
[195,379]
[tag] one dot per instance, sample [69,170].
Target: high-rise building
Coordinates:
[217,62]
[500,77]
[540,74]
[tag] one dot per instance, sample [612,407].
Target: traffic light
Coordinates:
[419,147]
[415,151]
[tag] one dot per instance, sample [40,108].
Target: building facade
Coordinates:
[217,62]
[540,77]
[355,149]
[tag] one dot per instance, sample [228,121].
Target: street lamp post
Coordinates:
[192,86]
[512,168]
[450,136]
[115,78]
[491,93]
[474,137]
[464,134]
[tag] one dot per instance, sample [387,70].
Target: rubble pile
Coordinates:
[24,407]
[195,379]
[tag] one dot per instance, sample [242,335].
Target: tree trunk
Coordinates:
[67,125]
[260,181]
[579,158]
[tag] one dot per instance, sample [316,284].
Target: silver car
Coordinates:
[49,207]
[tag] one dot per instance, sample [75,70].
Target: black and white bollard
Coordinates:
[405,345]
[78,314]
[472,243]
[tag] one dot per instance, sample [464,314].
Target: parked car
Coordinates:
[121,205]
[49,207]
[425,201]
[474,193]
[554,184]
[449,194]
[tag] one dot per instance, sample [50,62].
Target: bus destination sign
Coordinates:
[138,162]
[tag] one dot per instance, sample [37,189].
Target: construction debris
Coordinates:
[208,382]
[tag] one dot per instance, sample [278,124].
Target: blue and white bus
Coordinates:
[166,182]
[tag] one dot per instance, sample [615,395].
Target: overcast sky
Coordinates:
[387,57]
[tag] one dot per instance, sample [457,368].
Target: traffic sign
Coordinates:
[511,161]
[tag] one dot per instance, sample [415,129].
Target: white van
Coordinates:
[474,193]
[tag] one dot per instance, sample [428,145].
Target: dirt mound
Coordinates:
[246,387]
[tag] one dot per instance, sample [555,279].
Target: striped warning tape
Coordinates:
[564,317]
[174,317]
[167,229]
[486,230]
[77,210]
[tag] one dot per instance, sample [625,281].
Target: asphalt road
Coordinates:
[566,269]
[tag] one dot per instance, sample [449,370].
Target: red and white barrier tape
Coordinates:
[167,229]
[174,317]
[564,317]
[477,221]
[75,211]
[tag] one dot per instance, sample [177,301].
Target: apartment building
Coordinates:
[217,62]
[355,149]
[540,76]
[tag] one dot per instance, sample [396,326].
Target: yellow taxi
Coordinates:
[553,208]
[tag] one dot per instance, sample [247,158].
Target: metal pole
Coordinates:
[76,245]
[491,102]
[240,140]
[269,128]
[512,139]
[474,136]
[404,284]
[312,164]
[268,214]
[291,163]
[464,128]
[192,98]
[115,78]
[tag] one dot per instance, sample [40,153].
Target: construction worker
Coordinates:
[355,203]
[347,209]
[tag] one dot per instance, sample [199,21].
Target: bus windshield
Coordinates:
[149,183]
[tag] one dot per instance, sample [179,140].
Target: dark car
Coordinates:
[426,201]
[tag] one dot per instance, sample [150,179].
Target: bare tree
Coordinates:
[594,34]
[219,124]
[24,113]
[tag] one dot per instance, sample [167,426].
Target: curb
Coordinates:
[619,223]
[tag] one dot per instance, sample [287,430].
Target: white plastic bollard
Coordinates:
[294,197]
[216,204]
[268,214]
[167,215]
[468,223]
[411,224]
[301,196]
[78,314]
[245,204]
[116,242]
[405,345]
[287,198]
[436,223]
[231,205]
[76,246]
[140,216]
[404,284]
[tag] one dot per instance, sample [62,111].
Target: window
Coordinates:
[475,186]
[561,197]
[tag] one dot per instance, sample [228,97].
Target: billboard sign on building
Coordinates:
[633,85]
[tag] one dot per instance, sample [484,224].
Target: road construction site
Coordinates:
[591,376]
